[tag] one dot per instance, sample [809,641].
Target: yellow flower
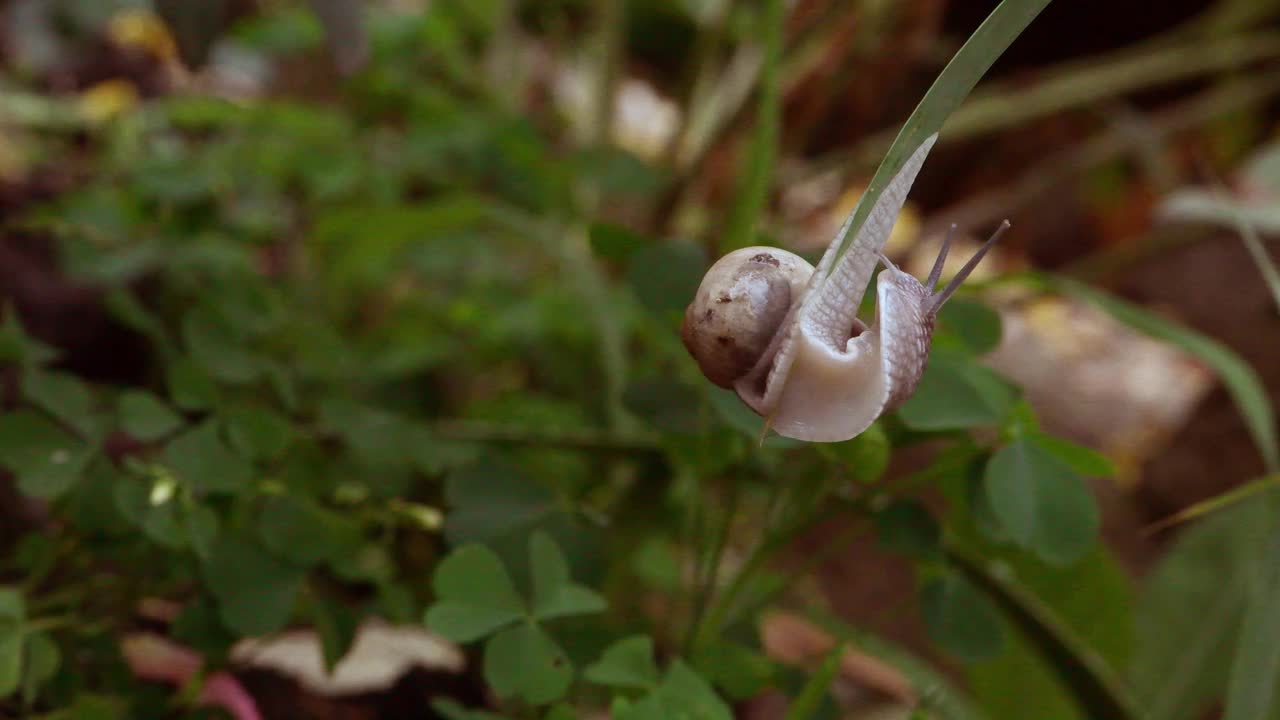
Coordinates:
[143,29]
[108,99]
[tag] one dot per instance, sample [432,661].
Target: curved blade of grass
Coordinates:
[957,79]
[809,700]
[1092,683]
[754,190]
[1243,384]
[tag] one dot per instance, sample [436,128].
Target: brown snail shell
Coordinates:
[740,304]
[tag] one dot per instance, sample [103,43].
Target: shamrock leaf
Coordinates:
[627,663]
[1040,502]
[683,695]
[523,660]
[475,595]
[554,594]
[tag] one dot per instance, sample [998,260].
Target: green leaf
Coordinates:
[202,526]
[957,393]
[489,500]
[1040,503]
[200,457]
[554,594]
[736,670]
[815,690]
[865,457]
[628,663]
[258,433]
[1200,587]
[1241,381]
[255,591]
[1078,666]
[146,417]
[523,661]
[665,276]
[362,245]
[93,707]
[17,347]
[451,710]
[908,528]
[190,386]
[217,348]
[953,84]
[683,695]
[1083,460]
[1255,669]
[300,531]
[753,191]
[615,242]
[46,459]
[336,623]
[41,663]
[12,619]
[961,619]
[63,396]
[971,325]
[474,595]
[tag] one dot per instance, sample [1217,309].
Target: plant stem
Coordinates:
[611,20]
[576,439]
[705,579]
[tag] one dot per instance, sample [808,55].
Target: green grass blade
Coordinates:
[809,700]
[957,79]
[1218,502]
[1094,686]
[1252,243]
[752,194]
[1242,383]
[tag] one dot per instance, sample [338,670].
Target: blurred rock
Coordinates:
[1129,393]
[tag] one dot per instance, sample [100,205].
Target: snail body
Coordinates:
[786,338]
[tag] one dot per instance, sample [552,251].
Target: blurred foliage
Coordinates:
[409,353]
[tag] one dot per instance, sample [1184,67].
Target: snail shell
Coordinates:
[739,307]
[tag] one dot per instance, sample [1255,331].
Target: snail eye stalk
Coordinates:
[945,294]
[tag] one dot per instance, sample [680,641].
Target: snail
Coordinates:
[786,338]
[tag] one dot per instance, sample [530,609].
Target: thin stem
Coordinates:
[607,61]
[576,439]
[706,584]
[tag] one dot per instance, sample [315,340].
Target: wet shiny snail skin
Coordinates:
[786,338]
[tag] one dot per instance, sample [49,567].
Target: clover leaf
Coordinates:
[523,660]
[554,595]
[476,598]
[627,663]
[475,595]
